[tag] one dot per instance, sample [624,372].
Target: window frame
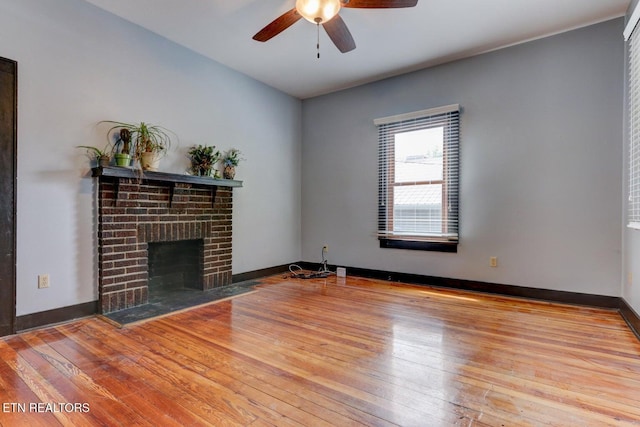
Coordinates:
[448,118]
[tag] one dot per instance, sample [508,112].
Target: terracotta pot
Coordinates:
[104,161]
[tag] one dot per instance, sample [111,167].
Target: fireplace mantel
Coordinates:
[170,179]
[122,172]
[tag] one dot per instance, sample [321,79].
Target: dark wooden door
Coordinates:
[8,133]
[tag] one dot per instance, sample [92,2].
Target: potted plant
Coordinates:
[230,160]
[101,157]
[203,158]
[123,157]
[151,142]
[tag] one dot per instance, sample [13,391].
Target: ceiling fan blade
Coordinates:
[378,4]
[339,34]
[278,25]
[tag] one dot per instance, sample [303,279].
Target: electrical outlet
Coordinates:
[43,281]
[493,261]
[325,248]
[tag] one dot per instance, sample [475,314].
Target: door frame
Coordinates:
[8,170]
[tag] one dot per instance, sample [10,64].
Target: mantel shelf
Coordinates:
[122,172]
[169,178]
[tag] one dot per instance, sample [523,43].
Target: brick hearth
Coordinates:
[147,211]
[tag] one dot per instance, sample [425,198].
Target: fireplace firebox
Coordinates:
[175,265]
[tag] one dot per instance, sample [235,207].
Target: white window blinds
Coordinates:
[634,125]
[418,175]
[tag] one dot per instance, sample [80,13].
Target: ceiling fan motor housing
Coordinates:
[318,11]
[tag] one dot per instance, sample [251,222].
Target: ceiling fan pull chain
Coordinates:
[318,42]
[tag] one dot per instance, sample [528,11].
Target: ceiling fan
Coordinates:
[325,12]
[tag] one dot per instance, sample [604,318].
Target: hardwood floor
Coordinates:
[330,352]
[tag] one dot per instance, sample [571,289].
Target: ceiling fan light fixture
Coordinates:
[318,11]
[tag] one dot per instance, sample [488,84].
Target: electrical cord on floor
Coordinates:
[324,268]
[299,273]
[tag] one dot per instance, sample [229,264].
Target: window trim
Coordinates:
[386,170]
[418,245]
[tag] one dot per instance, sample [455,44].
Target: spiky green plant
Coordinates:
[232,157]
[146,137]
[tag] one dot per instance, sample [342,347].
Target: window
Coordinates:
[418,180]
[633,50]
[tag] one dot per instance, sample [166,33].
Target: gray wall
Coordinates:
[78,65]
[541,131]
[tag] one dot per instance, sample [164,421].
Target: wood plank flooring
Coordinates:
[331,352]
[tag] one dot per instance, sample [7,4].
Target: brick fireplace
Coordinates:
[134,211]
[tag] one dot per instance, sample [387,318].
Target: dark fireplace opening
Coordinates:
[175,266]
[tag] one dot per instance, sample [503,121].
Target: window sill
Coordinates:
[417,245]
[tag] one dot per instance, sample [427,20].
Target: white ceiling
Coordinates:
[389,41]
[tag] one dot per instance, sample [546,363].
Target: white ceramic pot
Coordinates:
[150,161]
